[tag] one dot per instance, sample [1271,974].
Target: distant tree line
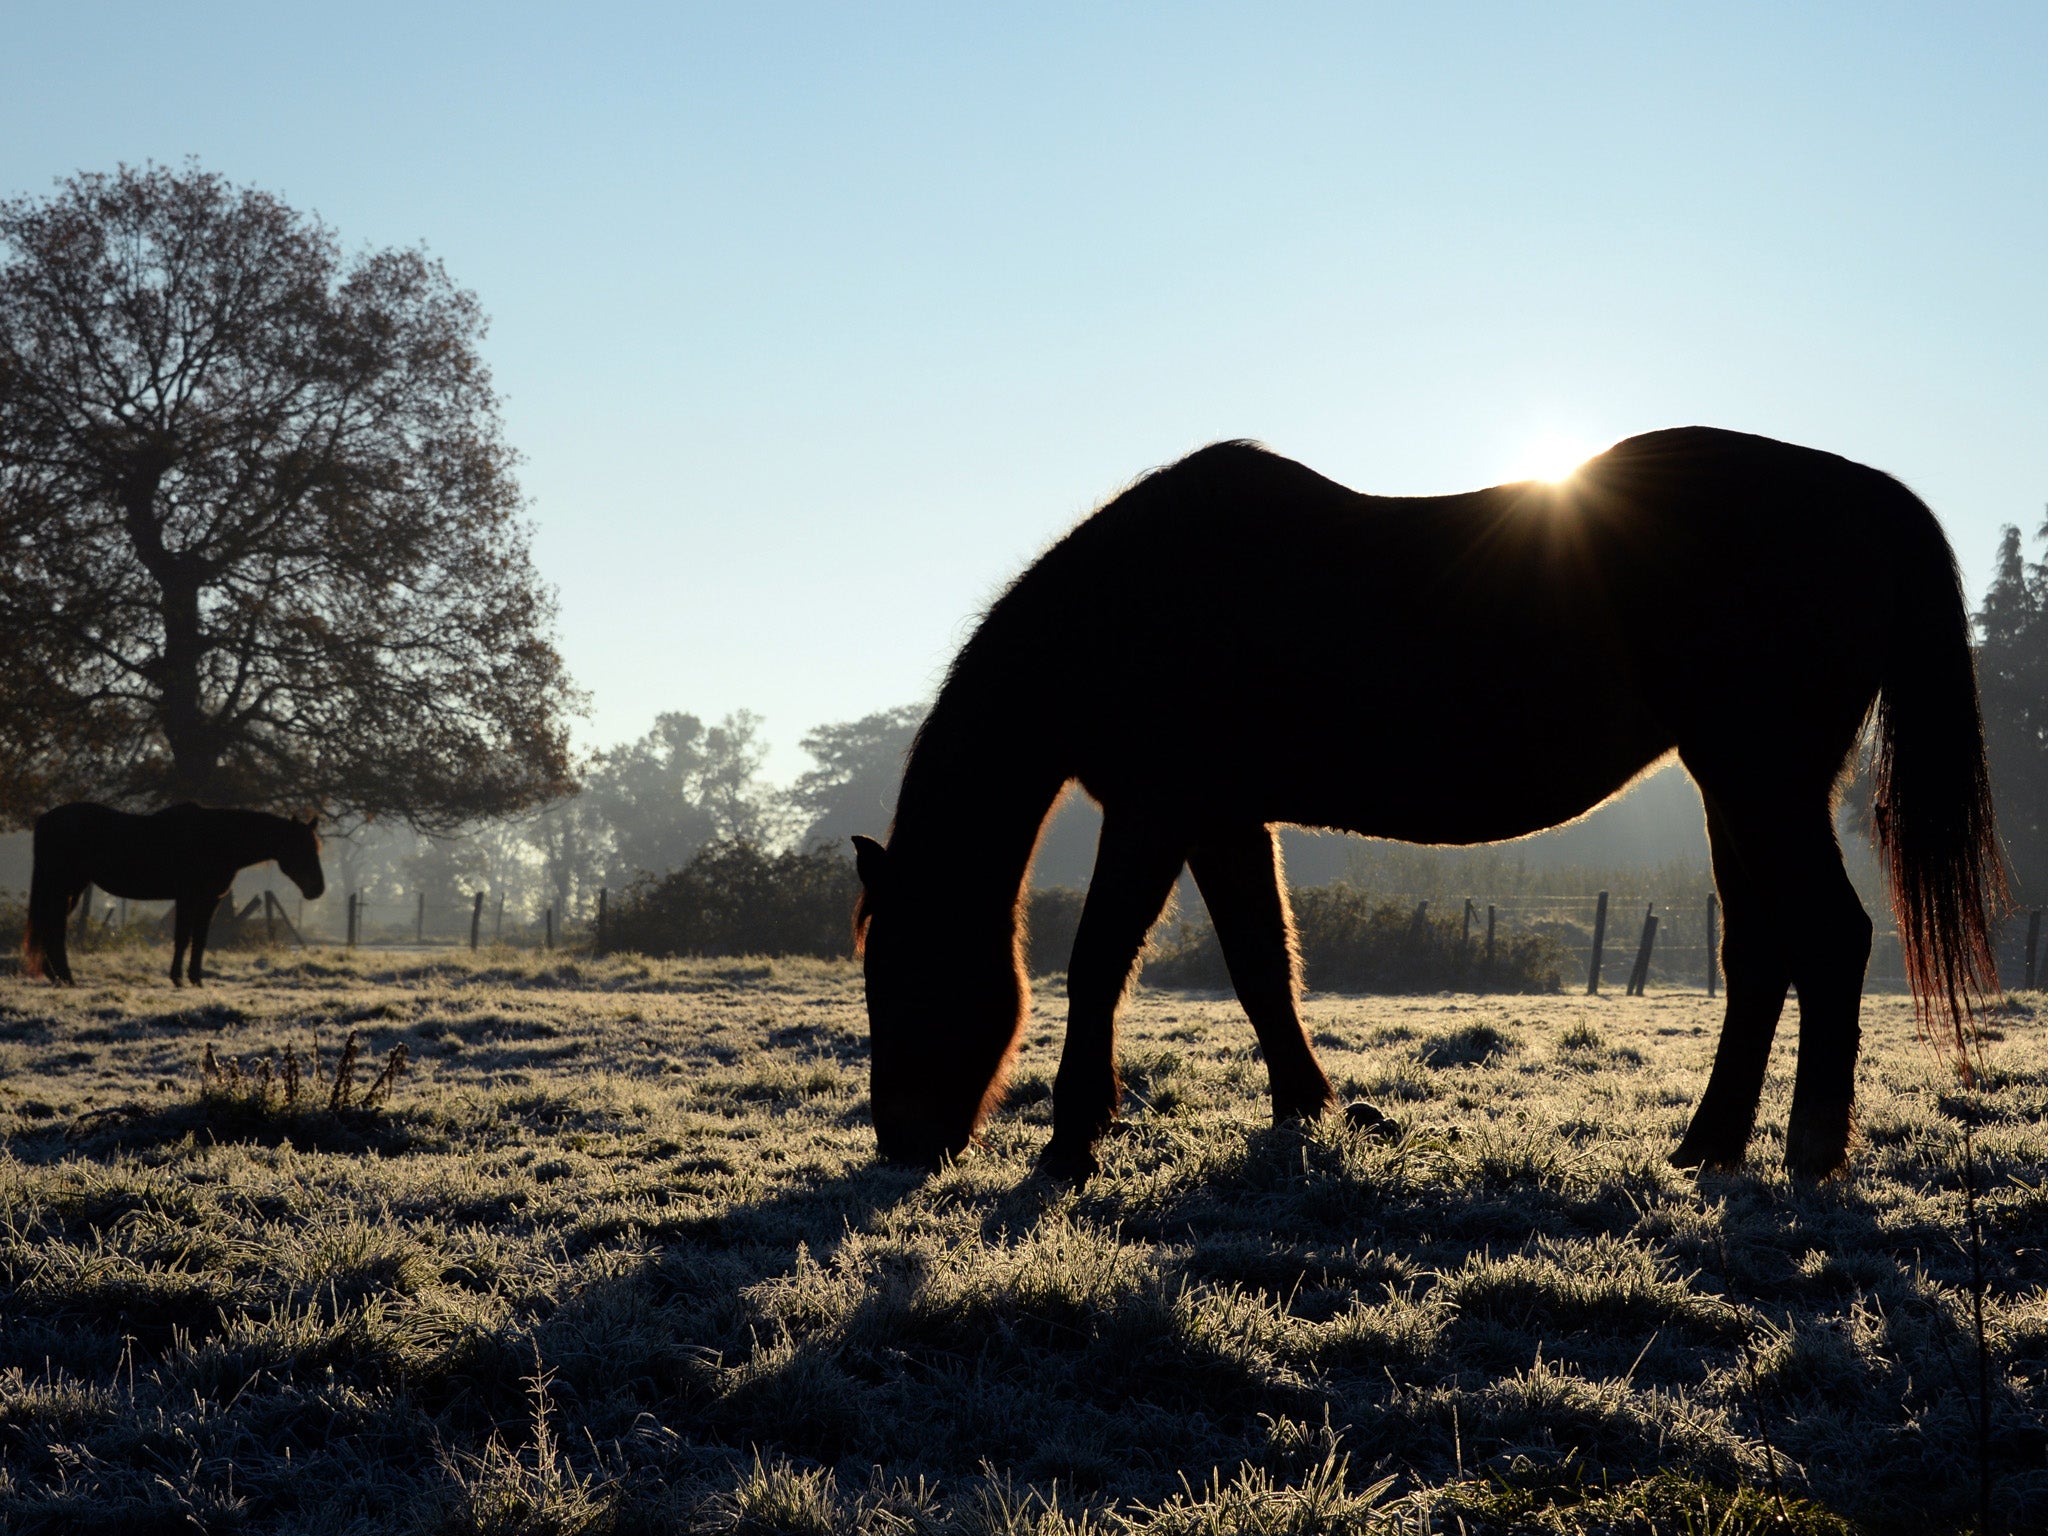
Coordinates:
[644,811]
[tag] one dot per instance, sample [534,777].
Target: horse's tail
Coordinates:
[1930,799]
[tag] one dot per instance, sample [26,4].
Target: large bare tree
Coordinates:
[263,540]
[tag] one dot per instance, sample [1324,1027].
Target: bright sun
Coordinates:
[1552,456]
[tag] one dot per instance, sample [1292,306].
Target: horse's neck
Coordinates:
[973,801]
[249,837]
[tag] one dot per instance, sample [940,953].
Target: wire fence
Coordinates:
[278,914]
[1687,935]
[1679,951]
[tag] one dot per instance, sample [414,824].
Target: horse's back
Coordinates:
[1305,649]
[143,857]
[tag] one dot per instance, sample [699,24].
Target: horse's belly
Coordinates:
[1389,774]
[136,888]
[153,879]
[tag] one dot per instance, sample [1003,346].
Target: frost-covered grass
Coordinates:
[613,1255]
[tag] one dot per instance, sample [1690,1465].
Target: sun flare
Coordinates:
[1552,456]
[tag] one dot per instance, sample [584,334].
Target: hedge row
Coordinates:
[734,898]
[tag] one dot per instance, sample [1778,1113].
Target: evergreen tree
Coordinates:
[2012,679]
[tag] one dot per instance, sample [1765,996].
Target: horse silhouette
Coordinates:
[187,853]
[1422,668]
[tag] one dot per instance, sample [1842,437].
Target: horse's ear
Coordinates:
[871,859]
[312,818]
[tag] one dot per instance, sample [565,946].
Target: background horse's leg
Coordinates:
[203,909]
[1135,867]
[1239,873]
[181,935]
[1753,963]
[56,937]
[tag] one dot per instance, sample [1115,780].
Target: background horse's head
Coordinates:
[946,999]
[299,856]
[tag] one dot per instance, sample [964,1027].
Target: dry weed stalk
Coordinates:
[228,1075]
[344,1075]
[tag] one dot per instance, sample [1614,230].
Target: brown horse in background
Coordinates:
[1407,668]
[188,854]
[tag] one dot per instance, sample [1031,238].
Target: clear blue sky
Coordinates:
[815,323]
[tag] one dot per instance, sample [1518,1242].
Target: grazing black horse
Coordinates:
[1235,642]
[187,854]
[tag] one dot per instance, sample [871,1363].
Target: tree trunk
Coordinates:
[195,750]
[194,753]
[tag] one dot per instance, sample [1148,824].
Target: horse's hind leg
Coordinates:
[1827,967]
[1753,964]
[53,928]
[1239,874]
[1793,882]
[1135,867]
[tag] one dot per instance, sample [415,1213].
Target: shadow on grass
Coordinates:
[1450,1306]
[109,1134]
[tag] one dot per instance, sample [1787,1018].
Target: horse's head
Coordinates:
[299,857]
[946,998]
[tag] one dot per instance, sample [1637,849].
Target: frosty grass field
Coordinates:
[614,1255]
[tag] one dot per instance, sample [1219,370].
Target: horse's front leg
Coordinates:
[1239,873]
[203,908]
[1136,864]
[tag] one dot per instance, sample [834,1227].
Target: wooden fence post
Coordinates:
[548,941]
[269,922]
[1599,942]
[598,946]
[1639,976]
[84,911]
[498,925]
[1466,938]
[419,923]
[1489,935]
[1713,942]
[476,919]
[352,919]
[2033,943]
[273,911]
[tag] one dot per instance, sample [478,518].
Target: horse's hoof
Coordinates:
[1064,1164]
[1817,1141]
[1712,1153]
[1305,1113]
[1368,1121]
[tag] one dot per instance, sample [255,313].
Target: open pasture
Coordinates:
[614,1254]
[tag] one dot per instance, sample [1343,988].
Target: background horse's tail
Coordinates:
[1930,800]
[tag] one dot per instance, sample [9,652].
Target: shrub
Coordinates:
[736,899]
[1052,918]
